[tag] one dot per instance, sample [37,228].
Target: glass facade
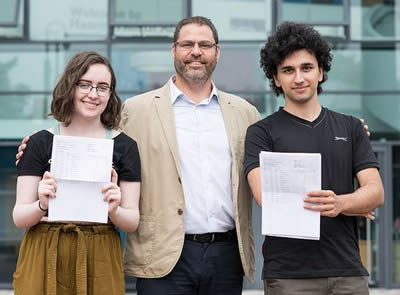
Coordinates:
[36,41]
[396,214]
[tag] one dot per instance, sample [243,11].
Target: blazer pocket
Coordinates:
[141,242]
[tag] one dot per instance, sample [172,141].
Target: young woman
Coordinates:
[77,257]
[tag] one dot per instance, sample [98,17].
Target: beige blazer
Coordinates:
[154,249]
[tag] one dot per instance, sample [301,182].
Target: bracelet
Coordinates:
[44,210]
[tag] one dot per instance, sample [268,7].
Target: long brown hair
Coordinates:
[62,105]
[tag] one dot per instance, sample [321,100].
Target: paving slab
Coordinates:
[260,292]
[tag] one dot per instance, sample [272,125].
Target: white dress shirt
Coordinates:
[206,162]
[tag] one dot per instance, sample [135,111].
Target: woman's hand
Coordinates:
[112,194]
[47,189]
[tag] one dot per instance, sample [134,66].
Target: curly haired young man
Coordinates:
[296,60]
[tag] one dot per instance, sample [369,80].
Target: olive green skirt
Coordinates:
[58,259]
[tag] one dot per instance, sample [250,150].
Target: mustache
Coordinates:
[201,60]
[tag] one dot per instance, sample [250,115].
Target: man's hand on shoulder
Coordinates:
[365,127]
[21,149]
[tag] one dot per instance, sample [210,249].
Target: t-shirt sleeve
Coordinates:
[257,140]
[363,155]
[129,163]
[35,160]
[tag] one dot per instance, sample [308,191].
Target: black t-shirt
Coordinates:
[345,150]
[37,155]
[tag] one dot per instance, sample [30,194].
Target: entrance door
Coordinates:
[376,237]
[10,236]
[370,235]
[394,234]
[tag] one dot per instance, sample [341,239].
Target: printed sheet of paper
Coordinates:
[81,166]
[285,180]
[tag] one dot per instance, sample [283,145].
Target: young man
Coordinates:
[296,60]
[195,233]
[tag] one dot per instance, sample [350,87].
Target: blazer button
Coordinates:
[180,211]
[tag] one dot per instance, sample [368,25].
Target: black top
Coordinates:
[37,155]
[345,150]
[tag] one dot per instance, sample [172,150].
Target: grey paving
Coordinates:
[372,292]
[260,292]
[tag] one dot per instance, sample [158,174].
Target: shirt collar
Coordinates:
[176,93]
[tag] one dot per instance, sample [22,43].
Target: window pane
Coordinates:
[36,67]
[27,107]
[141,67]
[15,76]
[266,103]
[313,10]
[30,68]
[375,20]
[246,20]
[21,115]
[15,31]
[359,69]
[149,11]
[8,12]
[238,69]
[379,111]
[367,70]
[69,20]
[331,31]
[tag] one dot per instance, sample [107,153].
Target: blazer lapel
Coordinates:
[229,116]
[167,120]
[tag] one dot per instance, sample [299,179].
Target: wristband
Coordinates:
[42,208]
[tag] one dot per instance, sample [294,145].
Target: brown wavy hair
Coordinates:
[62,105]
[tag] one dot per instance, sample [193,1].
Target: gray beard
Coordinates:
[194,76]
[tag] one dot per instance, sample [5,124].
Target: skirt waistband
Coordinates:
[69,227]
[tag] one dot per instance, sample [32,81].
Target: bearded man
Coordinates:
[195,233]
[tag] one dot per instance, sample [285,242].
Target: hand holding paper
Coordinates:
[112,193]
[324,201]
[46,189]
